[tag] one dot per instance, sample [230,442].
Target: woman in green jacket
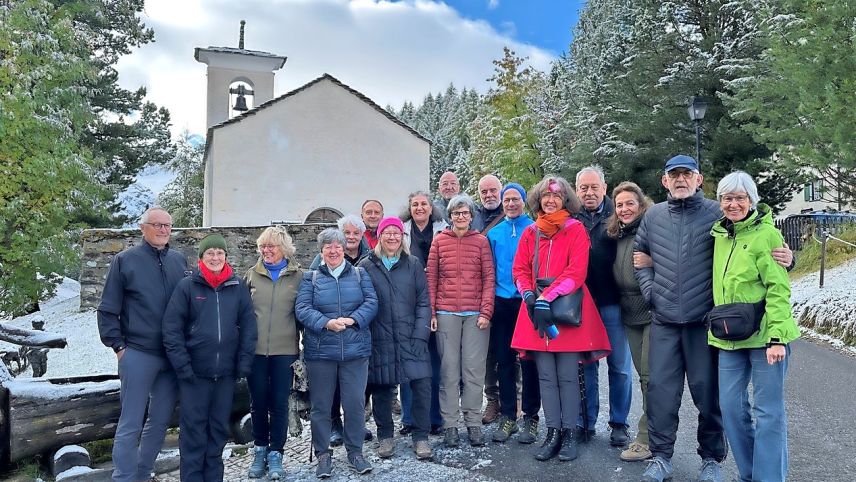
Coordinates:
[745,272]
[273,284]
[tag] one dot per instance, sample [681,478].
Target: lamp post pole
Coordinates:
[696,109]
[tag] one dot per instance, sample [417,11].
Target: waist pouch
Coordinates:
[735,321]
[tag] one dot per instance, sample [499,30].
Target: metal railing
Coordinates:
[799,228]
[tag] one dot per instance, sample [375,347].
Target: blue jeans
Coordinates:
[407,393]
[620,370]
[760,451]
[270,386]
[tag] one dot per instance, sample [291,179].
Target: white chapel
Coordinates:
[309,155]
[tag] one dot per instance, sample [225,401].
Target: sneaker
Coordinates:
[476,436]
[385,448]
[359,464]
[637,452]
[507,428]
[325,466]
[258,467]
[618,436]
[659,469]
[491,411]
[274,461]
[450,437]
[582,435]
[710,471]
[423,450]
[529,434]
[336,433]
[436,430]
[405,429]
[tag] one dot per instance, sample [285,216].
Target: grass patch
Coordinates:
[100,451]
[27,469]
[837,253]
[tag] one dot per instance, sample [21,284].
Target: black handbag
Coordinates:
[735,321]
[565,309]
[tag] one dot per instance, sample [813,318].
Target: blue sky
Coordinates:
[545,23]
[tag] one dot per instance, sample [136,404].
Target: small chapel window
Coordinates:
[241,98]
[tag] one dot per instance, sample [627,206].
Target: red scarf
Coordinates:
[215,280]
[550,224]
[371,237]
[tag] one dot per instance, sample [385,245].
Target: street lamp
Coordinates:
[696,110]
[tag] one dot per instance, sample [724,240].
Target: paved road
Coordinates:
[821,401]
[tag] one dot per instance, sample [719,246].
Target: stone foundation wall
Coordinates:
[100,245]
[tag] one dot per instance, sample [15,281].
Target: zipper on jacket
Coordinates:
[727,262]
[680,289]
[339,334]
[460,274]
[219,334]
[270,316]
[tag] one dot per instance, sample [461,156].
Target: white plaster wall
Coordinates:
[322,147]
[798,203]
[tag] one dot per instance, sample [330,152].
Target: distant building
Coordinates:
[309,155]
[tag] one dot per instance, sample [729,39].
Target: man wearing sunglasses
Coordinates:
[137,289]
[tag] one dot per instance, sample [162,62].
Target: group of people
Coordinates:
[453,301]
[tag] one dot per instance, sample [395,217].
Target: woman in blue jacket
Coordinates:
[336,304]
[209,332]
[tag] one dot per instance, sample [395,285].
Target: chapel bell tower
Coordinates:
[238,79]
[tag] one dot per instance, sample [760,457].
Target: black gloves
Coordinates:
[529,300]
[543,318]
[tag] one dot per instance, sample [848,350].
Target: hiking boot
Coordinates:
[257,468]
[710,471]
[529,434]
[618,436]
[359,464]
[659,469]
[405,429]
[476,436]
[583,435]
[507,428]
[436,429]
[423,450]
[551,445]
[368,435]
[336,433]
[274,461]
[450,437]
[385,448]
[637,452]
[491,411]
[568,451]
[325,466]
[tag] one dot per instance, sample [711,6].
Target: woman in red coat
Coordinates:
[563,253]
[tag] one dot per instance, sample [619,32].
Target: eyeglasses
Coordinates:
[214,253]
[268,247]
[160,225]
[739,199]
[676,173]
[394,234]
[509,200]
[548,194]
[459,214]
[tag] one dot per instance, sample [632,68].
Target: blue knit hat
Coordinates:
[513,185]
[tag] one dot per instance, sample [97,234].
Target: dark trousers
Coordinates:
[382,396]
[501,330]
[531,396]
[206,404]
[351,377]
[270,385]
[558,374]
[676,351]
[407,395]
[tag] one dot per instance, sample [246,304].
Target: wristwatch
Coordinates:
[117,349]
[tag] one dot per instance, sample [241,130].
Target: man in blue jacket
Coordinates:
[503,239]
[138,287]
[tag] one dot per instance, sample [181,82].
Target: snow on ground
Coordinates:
[828,313]
[84,355]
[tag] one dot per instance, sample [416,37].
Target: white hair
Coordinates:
[145,217]
[738,181]
[353,220]
[593,168]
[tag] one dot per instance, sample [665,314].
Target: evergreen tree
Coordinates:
[183,196]
[44,171]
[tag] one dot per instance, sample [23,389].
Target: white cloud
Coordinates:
[492,4]
[390,51]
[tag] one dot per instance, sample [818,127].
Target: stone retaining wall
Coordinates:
[100,245]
